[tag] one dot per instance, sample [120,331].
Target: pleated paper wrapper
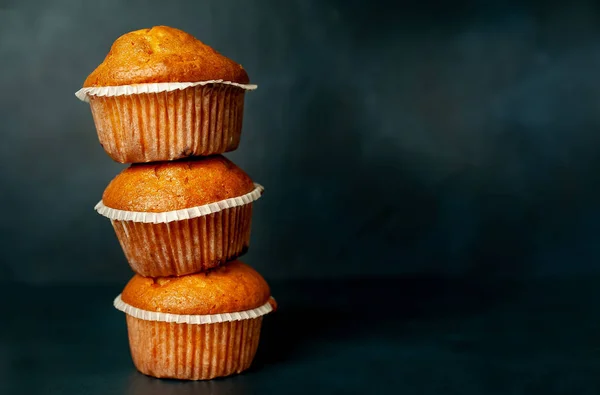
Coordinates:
[167,121]
[192,347]
[186,241]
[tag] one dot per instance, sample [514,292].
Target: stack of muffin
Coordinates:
[170,105]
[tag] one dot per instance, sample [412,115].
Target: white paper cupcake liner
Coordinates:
[192,352]
[196,121]
[190,318]
[182,214]
[189,246]
[84,93]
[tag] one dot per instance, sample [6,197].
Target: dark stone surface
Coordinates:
[404,335]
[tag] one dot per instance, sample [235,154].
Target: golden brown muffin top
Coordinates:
[229,288]
[163,54]
[167,186]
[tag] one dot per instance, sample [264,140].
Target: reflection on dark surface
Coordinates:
[139,384]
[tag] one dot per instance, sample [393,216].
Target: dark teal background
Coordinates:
[431,210]
[448,138]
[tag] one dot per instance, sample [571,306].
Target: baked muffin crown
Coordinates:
[163,54]
[167,186]
[230,288]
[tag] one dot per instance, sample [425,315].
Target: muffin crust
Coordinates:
[227,289]
[163,54]
[166,186]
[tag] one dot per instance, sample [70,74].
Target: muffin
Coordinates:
[196,327]
[160,94]
[181,217]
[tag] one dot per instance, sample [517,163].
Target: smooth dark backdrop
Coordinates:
[431,213]
[447,138]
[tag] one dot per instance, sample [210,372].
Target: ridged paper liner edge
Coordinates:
[191,318]
[182,214]
[84,93]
